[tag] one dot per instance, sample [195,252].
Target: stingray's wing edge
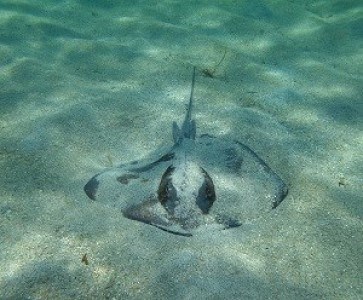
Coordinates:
[282,187]
[135,167]
[146,212]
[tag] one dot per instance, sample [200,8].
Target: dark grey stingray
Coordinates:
[199,183]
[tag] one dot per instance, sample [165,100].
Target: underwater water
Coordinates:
[88,85]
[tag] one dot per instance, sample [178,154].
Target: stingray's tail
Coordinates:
[188,129]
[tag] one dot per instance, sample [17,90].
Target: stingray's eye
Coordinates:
[206,194]
[91,188]
[166,190]
[164,185]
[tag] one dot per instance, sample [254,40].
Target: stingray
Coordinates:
[200,182]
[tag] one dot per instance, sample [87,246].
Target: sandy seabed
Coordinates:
[86,85]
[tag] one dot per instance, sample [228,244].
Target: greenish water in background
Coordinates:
[89,84]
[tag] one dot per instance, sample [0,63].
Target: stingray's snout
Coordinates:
[181,197]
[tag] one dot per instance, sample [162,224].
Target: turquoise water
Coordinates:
[86,85]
